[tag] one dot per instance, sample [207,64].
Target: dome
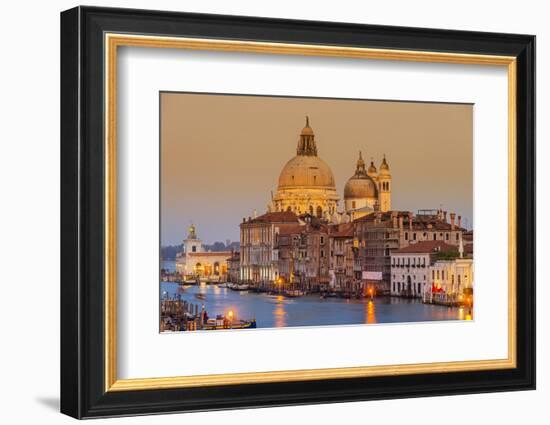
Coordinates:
[303,170]
[360,188]
[360,185]
[372,168]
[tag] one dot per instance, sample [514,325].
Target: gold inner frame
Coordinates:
[113,41]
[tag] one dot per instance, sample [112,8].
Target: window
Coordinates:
[414,236]
[446,236]
[457,237]
[438,274]
[319,211]
[194,248]
[406,236]
[418,288]
[353,204]
[322,239]
[435,236]
[322,253]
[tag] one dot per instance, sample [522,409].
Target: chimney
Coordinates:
[445,216]
[459,221]
[410,220]
[453,221]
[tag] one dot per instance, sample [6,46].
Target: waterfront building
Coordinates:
[341,259]
[375,237]
[379,234]
[313,260]
[234,267]
[288,241]
[302,253]
[410,268]
[452,279]
[257,256]
[196,262]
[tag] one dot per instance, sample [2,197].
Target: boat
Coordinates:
[200,296]
[238,286]
[294,293]
[221,323]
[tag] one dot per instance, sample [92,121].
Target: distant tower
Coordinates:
[192,243]
[384,186]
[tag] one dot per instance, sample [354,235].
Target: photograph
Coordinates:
[280,212]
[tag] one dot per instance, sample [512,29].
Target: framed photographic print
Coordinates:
[261,212]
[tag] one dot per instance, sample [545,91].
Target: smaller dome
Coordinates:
[360,188]
[372,168]
[360,185]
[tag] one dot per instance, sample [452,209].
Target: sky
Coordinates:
[221,155]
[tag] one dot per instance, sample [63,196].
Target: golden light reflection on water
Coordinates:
[464,315]
[280,313]
[370,312]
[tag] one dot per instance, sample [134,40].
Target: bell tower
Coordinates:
[384,186]
[192,243]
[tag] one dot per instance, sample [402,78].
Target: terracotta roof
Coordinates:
[341,231]
[275,217]
[426,247]
[419,222]
[291,229]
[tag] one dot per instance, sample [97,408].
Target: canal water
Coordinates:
[310,310]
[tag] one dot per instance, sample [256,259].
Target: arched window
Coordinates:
[388,186]
[289,209]
[353,204]
[311,210]
[319,211]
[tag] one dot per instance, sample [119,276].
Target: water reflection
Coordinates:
[279,312]
[371,316]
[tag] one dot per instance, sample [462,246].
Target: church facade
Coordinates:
[196,262]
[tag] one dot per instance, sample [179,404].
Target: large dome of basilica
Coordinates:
[310,171]
[306,182]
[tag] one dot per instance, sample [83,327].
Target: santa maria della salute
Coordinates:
[322,251]
[307,186]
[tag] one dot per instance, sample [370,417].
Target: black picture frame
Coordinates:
[83,392]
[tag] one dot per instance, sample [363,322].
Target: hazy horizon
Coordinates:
[221,155]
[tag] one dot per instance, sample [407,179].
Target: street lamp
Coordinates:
[230,318]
